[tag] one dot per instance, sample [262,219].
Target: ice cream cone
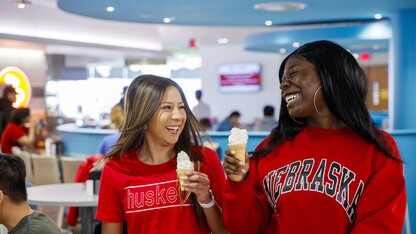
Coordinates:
[180,173]
[240,151]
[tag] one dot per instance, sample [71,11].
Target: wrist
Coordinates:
[209,204]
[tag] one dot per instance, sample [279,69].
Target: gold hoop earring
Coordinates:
[314,100]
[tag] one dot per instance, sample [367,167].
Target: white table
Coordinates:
[66,194]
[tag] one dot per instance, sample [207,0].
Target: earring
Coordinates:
[314,100]
[296,120]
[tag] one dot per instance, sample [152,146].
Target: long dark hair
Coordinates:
[345,88]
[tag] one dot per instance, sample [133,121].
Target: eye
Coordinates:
[181,106]
[166,107]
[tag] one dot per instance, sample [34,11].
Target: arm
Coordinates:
[112,228]
[29,139]
[245,209]
[382,206]
[200,183]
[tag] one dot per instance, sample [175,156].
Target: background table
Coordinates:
[67,194]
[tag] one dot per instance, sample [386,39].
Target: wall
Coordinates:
[250,105]
[32,61]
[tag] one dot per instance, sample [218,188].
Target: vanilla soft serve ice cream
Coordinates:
[237,141]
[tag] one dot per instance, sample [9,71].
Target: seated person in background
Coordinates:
[231,121]
[15,213]
[107,143]
[206,126]
[20,131]
[117,112]
[268,122]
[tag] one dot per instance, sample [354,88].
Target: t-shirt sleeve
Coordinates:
[110,208]
[382,205]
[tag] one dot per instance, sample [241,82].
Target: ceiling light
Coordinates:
[110,9]
[167,20]
[21,3]
[222,40]
[268,23]
[378,16]
[280,6]
[282,50]
[295,44]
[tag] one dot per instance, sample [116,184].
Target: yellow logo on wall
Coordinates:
[18,79]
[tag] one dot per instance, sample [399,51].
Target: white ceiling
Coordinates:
[42,24]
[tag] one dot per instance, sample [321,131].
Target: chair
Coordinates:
[70,166]
[27,158]
[46,171]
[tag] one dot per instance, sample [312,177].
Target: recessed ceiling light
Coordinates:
[282,50]
[378,16]
[168,19]
[296,44]
[268,23]
[280,6]
[222,40]
[109,9]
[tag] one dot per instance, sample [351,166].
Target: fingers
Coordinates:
[194,181]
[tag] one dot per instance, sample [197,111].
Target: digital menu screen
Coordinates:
[239,77]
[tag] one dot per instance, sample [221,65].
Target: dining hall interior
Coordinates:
[70,60]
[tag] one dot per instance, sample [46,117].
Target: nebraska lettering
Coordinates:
[308,175]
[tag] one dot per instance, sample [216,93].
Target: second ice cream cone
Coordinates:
[240,151]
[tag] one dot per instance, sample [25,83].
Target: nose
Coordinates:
[177,114]
[284,85]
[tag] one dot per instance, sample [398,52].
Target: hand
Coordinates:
[197,183]
[233,166]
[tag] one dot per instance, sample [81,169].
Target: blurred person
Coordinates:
[205,124]
[268,122]
[233,120]
[6,106]
[117,112]
[15,212]
[202,109]
[19,132]
[139,182]
[107,143]
[325,168]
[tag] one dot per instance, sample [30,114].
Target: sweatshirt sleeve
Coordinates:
[382,206]
[245,208]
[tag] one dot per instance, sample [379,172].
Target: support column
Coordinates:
[402,67]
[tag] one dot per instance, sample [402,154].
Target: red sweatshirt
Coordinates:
[324,181]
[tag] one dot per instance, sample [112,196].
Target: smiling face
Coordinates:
[299,83]
[168,121]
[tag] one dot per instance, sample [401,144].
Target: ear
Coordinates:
[1,197]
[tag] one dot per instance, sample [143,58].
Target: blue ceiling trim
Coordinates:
[356,38]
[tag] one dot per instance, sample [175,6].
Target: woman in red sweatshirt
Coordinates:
[325,168]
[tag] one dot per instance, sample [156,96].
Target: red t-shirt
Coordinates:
[10,135]
[324,181]
[146,196]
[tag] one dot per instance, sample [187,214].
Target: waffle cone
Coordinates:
[240,151]
[180,173]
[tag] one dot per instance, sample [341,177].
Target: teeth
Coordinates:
[291,97]
[173,128]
